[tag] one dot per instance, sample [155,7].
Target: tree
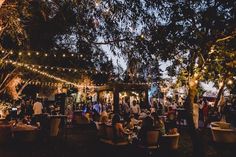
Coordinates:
[11,27]
[39,27]
[188,36]
[184,32]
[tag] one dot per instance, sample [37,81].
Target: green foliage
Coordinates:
[181,31]
[13,13]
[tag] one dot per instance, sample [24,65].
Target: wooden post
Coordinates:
[146,97]
[116,99]
[98,97]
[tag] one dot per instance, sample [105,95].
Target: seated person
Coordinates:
[102,124]
[146,126]
[119,132]
[26,119]
[104,118]
[158,123]
[129,124]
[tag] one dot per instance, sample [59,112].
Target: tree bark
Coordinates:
[1,2]
[197,140]
[219,94]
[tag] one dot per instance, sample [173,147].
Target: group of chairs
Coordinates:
[153,140]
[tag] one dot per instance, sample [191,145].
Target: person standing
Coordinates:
[38,107]
[126,110]
[135,109]
[29,108]
[205,111]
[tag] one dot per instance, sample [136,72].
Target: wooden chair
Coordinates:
[109,137]
[151,141]
[101,130]
[81,120]
[150,144]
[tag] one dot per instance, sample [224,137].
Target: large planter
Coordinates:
[5,133]
[170,142]
[54,126]
[223,133]
[25,133]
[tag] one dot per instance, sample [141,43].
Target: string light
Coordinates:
[31,67]
[142,36]
[44,54]
[221,84]
[54,84]
[61,68]
[230,82]
[40,72]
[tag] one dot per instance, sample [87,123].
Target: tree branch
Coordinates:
[23,87]
[1,2]
[110,41]
[227,37]
[8,75]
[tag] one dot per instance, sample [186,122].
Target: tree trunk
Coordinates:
[1,2]
[197,140]
[116,100]
[219,94]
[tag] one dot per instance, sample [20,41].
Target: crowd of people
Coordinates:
[139,120]
[164,117]
[151,117]
[25,110]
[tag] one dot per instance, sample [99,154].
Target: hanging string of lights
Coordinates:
[56,84]
[38,67]
[45,67]
[44,54]
[39,72]
[21,53]
[61,68]
[68,85]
